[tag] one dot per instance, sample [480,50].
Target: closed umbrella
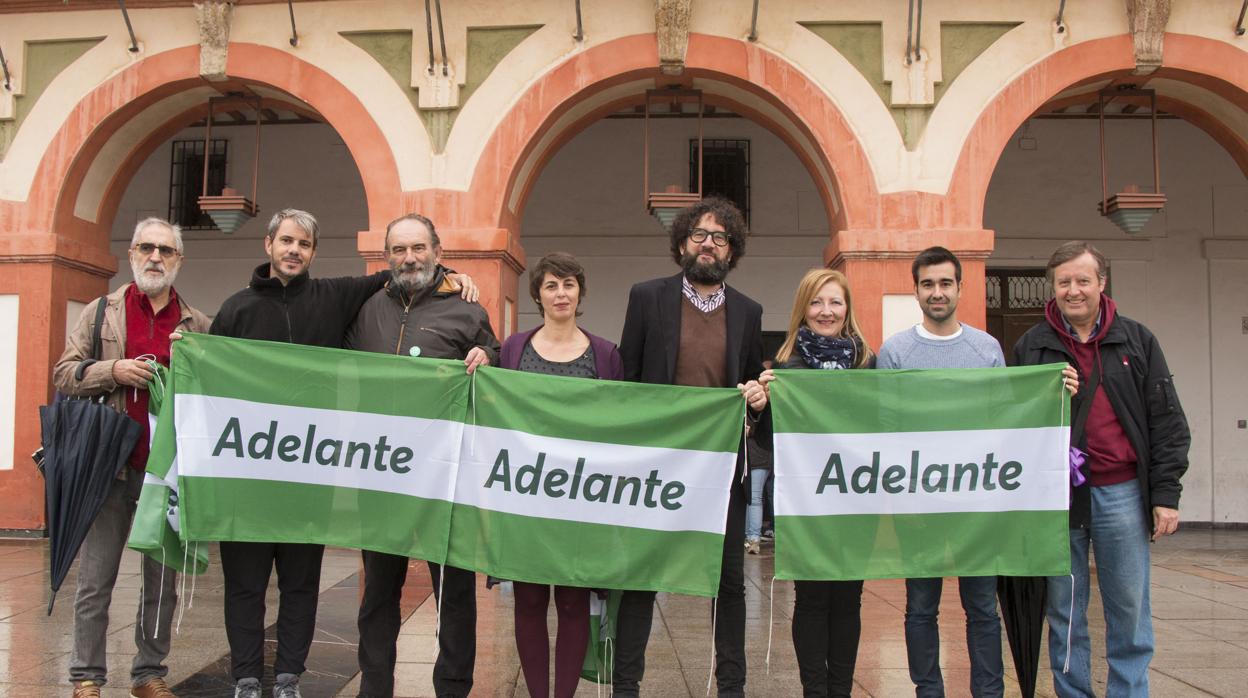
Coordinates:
[1022,610]
[85,445]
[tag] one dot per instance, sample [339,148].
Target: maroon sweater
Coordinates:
[147,334]
[1111,458]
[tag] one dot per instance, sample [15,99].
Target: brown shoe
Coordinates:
[156,688]
[86,689]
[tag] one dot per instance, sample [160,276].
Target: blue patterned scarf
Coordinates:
[826,352]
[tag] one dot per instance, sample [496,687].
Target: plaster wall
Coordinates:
[8,367]
[302,166]
[928,167]
[589,201]
[1168,277]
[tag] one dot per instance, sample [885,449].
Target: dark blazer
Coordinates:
[651,339]
[651,336]
[1139,386]
[606,356]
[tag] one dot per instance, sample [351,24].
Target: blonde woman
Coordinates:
[823,334]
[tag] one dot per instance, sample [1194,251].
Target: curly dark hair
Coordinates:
[725,213]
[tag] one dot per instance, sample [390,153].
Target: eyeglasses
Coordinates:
[699,235]
[146,249]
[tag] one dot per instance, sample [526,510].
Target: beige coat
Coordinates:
[98,378]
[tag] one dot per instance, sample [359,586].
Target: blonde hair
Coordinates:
[807,289]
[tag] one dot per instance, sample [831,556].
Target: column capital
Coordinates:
[462,243]
[58,250]
[881,244]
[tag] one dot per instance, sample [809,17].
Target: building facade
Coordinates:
[858,133]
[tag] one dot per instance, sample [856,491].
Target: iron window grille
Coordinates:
[186,181]
[725,170]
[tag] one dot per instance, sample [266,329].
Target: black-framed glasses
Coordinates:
[146,249]
[699,235]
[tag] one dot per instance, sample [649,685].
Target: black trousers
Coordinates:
[827,622]
[247,567]
[636,615]
[380,619]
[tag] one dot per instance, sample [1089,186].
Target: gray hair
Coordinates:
[153,220]
[303,219]
[433,233]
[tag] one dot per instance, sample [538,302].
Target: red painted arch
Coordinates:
[1209,63]
[59,177]
[632,58]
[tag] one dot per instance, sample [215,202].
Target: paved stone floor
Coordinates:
[1200,611]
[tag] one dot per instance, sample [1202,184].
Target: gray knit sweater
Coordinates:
[972,349]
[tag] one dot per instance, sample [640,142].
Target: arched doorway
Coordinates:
[59,239]
[1183,274]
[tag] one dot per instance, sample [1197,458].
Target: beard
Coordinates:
[152,286]
[414,277]
[704,272]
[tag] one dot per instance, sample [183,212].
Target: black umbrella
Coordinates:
[85,445]
[1022,609]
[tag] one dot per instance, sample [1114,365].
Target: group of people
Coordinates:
[687,329]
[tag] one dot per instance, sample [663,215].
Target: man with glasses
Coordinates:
[138,318]
[692,329]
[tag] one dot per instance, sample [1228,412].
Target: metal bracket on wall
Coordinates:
[1239,24]
[914,32]
[441,34]
[134,43]
[8,84]
[754,23]
[1061,13]
[580,30]
[294,35]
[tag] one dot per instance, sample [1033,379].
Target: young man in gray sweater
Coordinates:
[940,341]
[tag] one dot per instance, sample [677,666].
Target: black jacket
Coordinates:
[651,339]
[1139,386]
[651,336]
[437,322]
[315,312]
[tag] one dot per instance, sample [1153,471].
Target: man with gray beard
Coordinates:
[138,318]
[420,314]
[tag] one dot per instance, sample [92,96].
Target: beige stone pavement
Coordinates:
[1199,596]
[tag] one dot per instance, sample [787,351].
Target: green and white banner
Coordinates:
[154,531]
[932,473]
[534,478]
[634,477]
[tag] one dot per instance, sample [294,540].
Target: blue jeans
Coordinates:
[754,512]
[983,635]
[1119,539]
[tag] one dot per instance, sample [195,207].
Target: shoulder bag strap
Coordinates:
[97,343]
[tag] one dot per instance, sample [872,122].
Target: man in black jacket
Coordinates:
[1129,425]
[282,304]
[692,329]
[419,313]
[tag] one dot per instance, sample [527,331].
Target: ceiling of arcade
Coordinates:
[909,110]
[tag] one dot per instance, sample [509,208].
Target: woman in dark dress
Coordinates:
[557,347]
[823,334]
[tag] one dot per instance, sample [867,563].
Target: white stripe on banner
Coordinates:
[922,472]
[377,452]
[662,489]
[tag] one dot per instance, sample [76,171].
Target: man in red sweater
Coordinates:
[138,319]
[1129,425]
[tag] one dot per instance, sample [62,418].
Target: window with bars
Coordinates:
[725,170]
[186,181]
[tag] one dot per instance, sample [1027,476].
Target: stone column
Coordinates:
[40,273]
[877,263]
